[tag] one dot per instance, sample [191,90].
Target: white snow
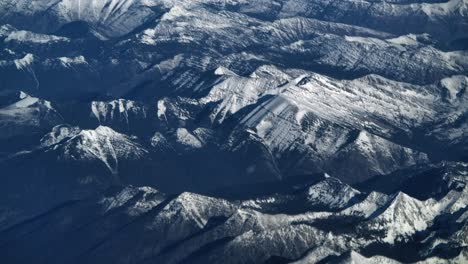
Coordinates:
[118,200]
[25,62]
[409,39]
[356,258]
[27,36]
[117,110]
[366,40]
[104,144]
[443,9]
[223,71]
[69,62]
[25,101]
[316,255]
[170,64]
[186,138]
[368,206]
[58,134]
[455,85]
[331,193]
[236,92]
[162,110]
[174,12]
[406,215]
[149,199]
[27,114]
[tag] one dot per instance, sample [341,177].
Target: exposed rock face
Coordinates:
[150,226]
[200,131]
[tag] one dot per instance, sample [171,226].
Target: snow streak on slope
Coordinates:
[103,144]
[26,114]
[110,17]
[155,227]
[237,109]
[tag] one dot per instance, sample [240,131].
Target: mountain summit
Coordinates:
[233,131]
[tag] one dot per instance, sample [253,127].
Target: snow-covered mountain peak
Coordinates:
[187,139]
[327,98]
[104,144]
[271,72]
[58,134]
[25,101]
[402,198]
[402,218]
[249,101]
[353,257]
[23,95]
[331,193]
[195,207]
[236,92]
[174,12]
[109,17]
[138,200]
[103,134]
[31,37]
[456,86]
[224,71]
[103,130]
[410,39]
[372,145]
[445,8]
[117,110]
[23,113]
[365,208]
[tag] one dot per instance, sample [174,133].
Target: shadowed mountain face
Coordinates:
[323,221]
[282,131]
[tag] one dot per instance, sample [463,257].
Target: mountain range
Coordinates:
[206,131]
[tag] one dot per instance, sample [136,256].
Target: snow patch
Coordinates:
[186,138]
[25,62]
[162,110]
[224,71]
[68,62]
[455,85]
[410,40]
[26,36]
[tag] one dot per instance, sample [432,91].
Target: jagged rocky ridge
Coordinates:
[325,221]
[234,100]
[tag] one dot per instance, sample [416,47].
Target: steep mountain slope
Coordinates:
[126,66]
[26,112]
[23,116]
[264,131]
[151,227]
[70,164]
[333,121]
[109,18]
